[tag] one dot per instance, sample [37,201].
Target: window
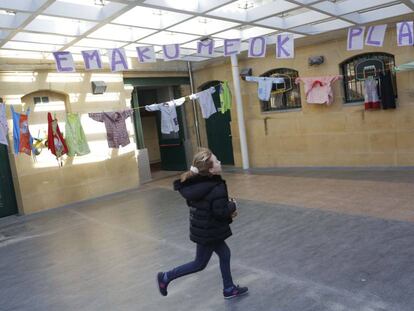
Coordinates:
[353,87]
[41,100]
[280,100]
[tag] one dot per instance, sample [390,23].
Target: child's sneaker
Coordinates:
[162,285]
[236,291]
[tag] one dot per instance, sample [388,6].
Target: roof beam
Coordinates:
[408,3]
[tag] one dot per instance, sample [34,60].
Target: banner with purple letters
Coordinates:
[358,37]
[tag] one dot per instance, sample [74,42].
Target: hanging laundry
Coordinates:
[371,98]
[169,121]
[116,130]
[75,136]
[225,97]
[206,102]
[4,128]
[55,141]
[265,85]
[318,90]
[22,140]
[387,91]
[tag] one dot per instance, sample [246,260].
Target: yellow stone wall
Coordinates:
[320,135]
[41,184]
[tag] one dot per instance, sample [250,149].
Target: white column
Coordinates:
[240,112]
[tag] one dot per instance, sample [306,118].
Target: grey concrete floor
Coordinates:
[104,255]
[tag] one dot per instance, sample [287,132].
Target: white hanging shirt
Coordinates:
[169,121]
[4,128]
[206,102]
[264,85]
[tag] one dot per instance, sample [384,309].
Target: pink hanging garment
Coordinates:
[318,90]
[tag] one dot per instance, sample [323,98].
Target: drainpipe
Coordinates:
[240,112]
[196,124]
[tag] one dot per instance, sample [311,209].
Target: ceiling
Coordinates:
[35,28]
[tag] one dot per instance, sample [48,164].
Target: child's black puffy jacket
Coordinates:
[210,208]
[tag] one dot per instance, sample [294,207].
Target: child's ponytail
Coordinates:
[201,165]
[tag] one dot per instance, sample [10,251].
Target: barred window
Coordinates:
[353,87]
[279,99]
[41,100]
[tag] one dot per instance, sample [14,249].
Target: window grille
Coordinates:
[354,88]
[283,100]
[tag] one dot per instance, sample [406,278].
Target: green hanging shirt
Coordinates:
[75,136]
[225,97]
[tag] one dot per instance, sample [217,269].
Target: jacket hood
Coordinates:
[197,187]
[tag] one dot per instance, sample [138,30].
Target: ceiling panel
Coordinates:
[11,20]
[29,46]
[58,25]
[203,26]
[22,5]
[293,19]
[123,33]
[84,9]
[150,18]
[244,33]
[246,11]
[367,16]
[97,43]
[167,37]
[42,38]
[192,6]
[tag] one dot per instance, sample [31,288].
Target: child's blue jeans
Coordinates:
[201,260]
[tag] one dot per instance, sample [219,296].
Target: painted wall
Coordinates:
[41,184]
[320,135]
[149,128]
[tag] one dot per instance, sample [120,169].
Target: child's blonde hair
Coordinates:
[202,162]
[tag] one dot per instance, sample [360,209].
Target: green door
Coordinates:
[219,130]
[172,145]
[8,204]
[172,149]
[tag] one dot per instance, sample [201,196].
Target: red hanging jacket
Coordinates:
[55,141]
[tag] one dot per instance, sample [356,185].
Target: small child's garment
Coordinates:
[206,102]
[75,136]
[22,140]
[116,131]
[371,98]
[225,97]
[265,85]
[169,121]
[318,90]
[4,128]
[55,141]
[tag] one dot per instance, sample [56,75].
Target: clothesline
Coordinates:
[188,97]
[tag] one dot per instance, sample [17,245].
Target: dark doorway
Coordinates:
[8,205]
[166,151]
[218,128]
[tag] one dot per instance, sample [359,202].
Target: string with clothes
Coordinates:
[187,98]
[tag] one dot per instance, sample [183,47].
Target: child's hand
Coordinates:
[234,214]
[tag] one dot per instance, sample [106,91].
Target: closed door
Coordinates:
[8,204]
[219,131]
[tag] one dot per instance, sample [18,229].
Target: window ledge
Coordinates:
[353,104]
[282,111]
